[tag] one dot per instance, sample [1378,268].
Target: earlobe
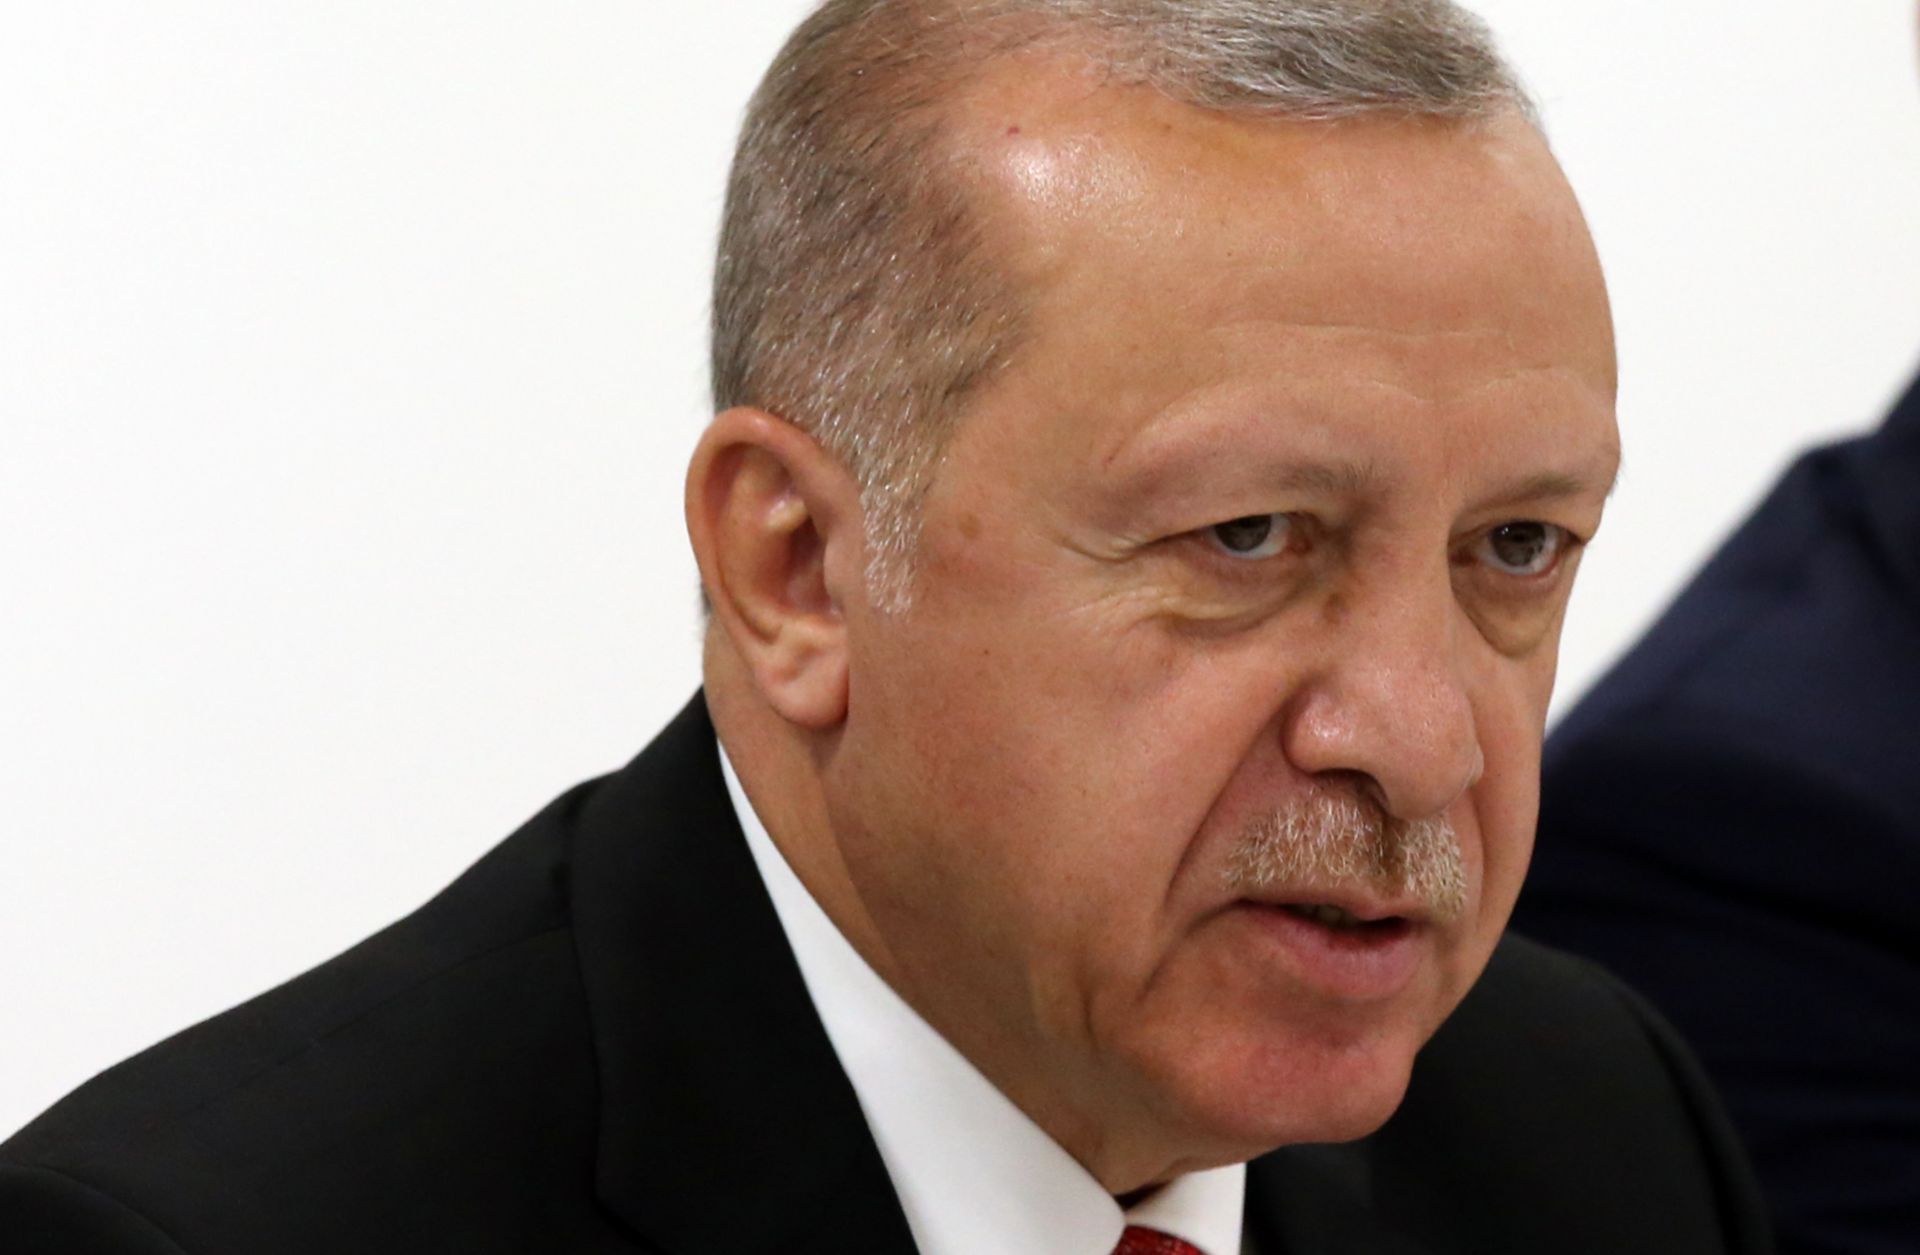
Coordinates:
[772,518]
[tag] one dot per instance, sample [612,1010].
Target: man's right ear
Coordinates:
[777,529]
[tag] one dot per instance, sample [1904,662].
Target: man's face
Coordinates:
[1268,511]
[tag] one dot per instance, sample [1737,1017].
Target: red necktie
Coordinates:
[1139,1241]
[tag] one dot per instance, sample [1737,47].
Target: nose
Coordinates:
[1391,707]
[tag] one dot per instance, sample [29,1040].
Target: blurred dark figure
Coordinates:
[1731,821]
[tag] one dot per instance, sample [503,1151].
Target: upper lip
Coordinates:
[1357,902]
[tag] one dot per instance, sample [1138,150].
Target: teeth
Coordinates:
[1331,916]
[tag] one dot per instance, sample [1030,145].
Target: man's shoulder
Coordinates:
[457,1033]
[1553,1111]
[1555,1064]
[1799,627]
[1773,699]
[1558,1033]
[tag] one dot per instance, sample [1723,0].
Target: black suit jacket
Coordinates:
[597,1040]
[1731,820]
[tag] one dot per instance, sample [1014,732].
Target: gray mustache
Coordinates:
[1330,841]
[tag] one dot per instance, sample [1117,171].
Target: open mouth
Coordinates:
[1342,920]
[1342,955]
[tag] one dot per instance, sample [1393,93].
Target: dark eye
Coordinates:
[1522,548]
[1252,535]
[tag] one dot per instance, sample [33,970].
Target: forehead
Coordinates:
[1375,263]
[1074,170]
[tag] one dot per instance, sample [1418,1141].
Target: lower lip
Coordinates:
[1365,964]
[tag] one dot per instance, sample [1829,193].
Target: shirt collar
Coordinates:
[972,1171]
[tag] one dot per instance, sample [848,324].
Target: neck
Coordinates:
[779,766]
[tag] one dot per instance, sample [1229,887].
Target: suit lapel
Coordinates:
[727,1124]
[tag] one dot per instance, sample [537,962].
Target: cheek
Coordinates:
[1506,806]
[1076,744]
[1045,681]
[1073,760]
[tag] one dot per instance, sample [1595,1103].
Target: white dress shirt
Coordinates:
[974,1175]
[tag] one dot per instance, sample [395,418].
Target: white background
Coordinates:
[350,353]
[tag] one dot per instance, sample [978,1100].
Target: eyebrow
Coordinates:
[1549,485]
[1340,477]
[1591,472]
[1326,477]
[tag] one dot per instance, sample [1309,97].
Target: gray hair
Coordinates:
[1323,843]
[856,294]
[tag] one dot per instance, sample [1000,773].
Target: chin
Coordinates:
[1353,1115]
[1241,1102]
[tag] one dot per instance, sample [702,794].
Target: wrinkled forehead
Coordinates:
[1341,266]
